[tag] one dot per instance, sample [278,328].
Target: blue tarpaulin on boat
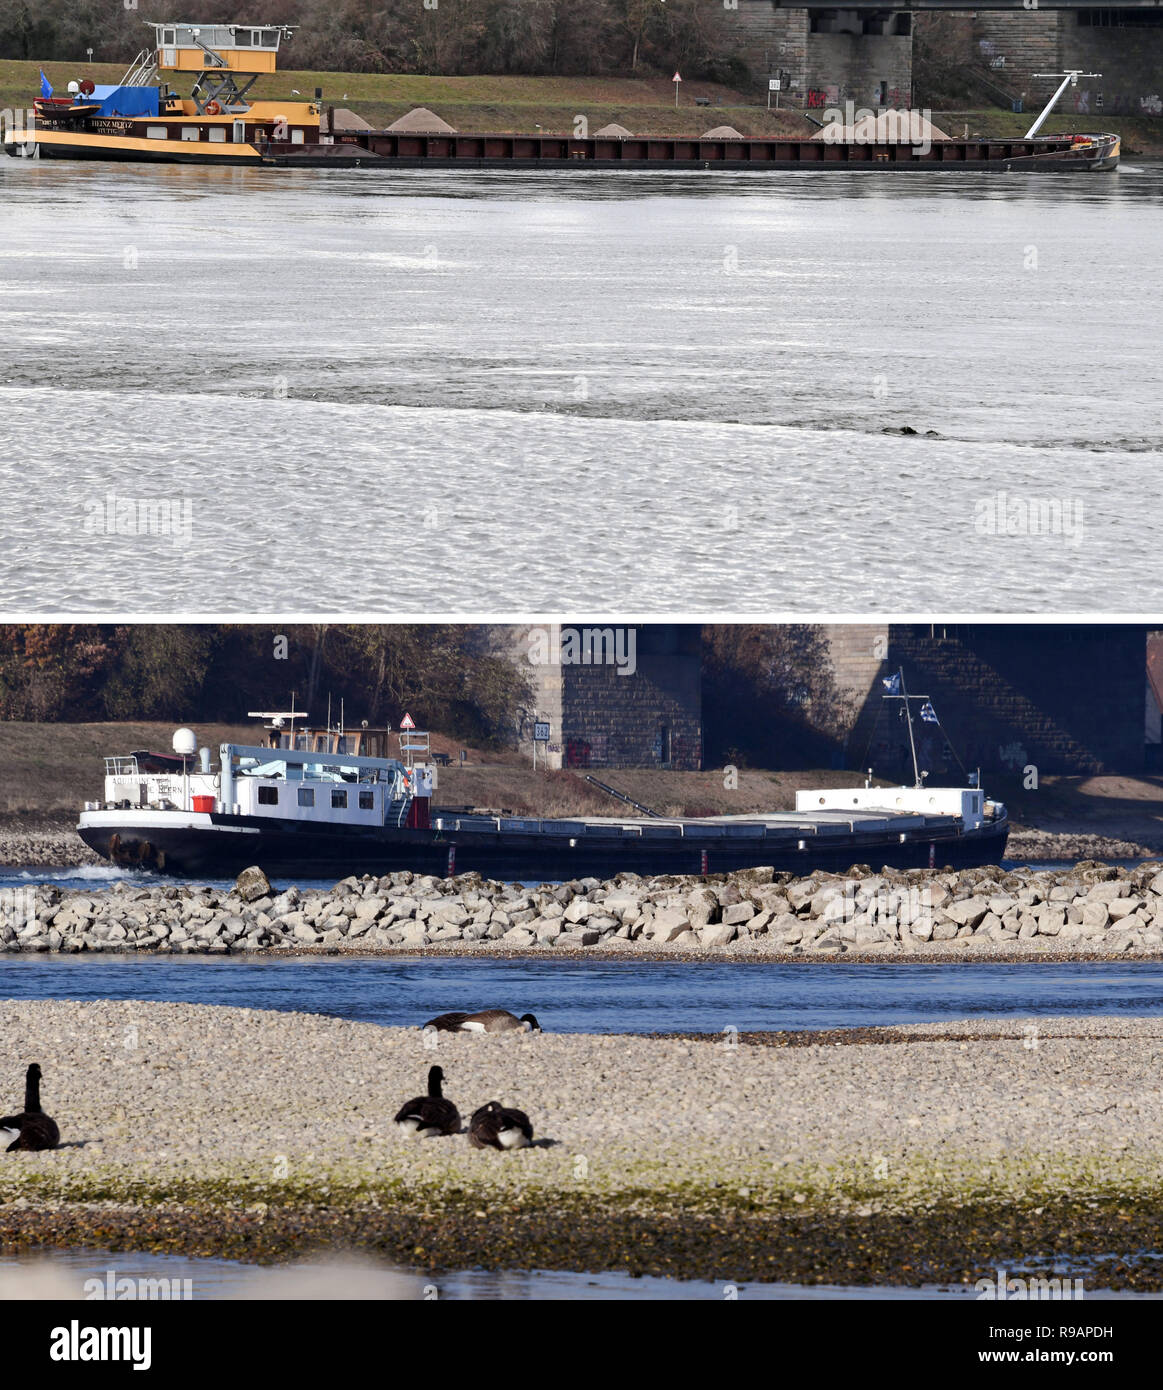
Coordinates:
[126,101]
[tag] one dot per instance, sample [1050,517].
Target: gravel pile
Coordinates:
[1091,909]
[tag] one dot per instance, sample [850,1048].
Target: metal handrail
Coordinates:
[140,70]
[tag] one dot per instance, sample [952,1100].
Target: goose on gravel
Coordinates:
[428,1116]
[33,1129]
[487,1021]
[495,1126]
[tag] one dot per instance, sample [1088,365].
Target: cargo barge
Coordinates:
[303,805]
[141,120]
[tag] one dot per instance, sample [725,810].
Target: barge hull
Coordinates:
[224,845]
[378,150]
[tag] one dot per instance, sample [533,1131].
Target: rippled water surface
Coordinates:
[439,390]
[605,996]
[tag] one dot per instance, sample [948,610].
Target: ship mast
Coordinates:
[904,695]
[912,739]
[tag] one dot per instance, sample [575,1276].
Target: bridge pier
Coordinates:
[830,55]
[1125,45]
[864,54]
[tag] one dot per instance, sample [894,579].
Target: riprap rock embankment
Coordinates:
[1091,908]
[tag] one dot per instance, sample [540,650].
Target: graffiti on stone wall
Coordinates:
[1083,101]
[577,753]
[836,94]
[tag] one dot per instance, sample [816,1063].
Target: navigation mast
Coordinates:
[918,779]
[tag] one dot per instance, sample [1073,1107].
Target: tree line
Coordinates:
[452,37]
[445,675]
[769,697]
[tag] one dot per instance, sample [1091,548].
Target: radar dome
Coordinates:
[185,743]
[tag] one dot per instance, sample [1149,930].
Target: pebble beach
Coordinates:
[904,1156]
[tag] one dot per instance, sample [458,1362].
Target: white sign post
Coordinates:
[773,86]
[676,79]
[540,735]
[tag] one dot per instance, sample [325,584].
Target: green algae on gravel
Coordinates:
[944,1245]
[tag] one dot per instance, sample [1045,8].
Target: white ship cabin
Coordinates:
[330,788]
[967,803]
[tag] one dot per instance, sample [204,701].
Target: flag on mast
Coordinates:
[929,714]
[892,684]
[45,85]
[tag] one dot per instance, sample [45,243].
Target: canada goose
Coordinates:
[494,1126]
[487,1021]
[430,1115]
[33,1129]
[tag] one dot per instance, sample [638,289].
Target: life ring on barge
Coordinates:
[213,109]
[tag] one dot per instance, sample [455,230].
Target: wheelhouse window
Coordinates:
[306,796]
[169,37]
[339,798]
[270,38]
[367,801]
[268,796]
[242,38]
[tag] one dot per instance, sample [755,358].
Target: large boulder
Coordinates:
[252,884]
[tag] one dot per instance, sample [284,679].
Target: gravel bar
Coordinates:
[262,1135]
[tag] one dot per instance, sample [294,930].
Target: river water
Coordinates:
[435,391]
[97,1274]
[606,996]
